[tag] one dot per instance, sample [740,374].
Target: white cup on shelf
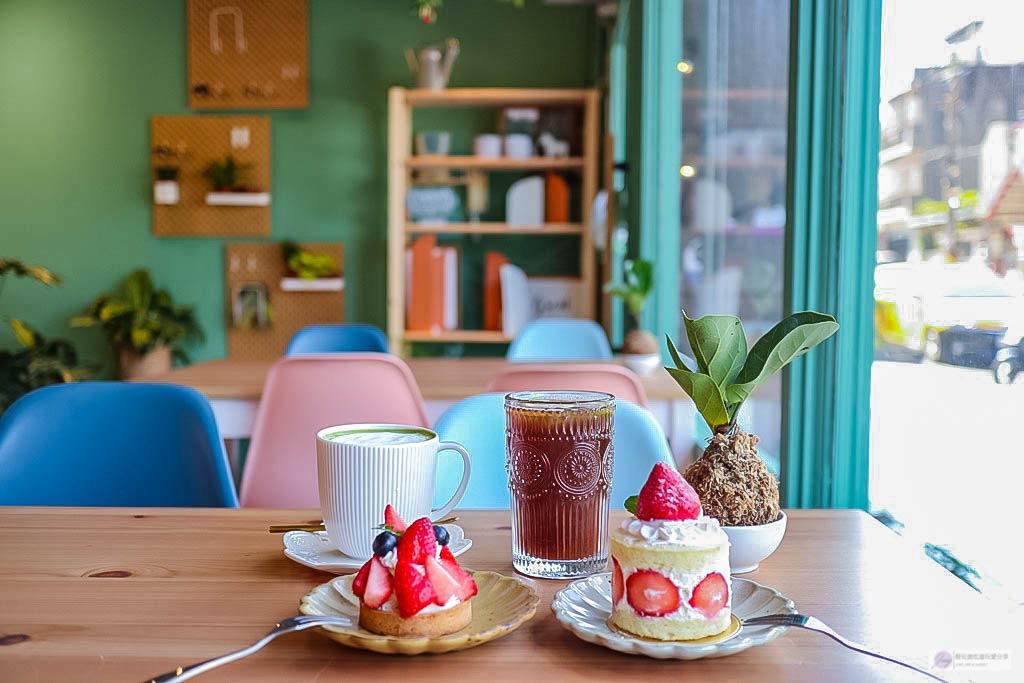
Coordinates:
[518,146]
[487,145]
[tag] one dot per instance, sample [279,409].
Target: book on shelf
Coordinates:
[493,261]
[432,286]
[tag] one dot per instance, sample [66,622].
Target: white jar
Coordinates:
[487,145]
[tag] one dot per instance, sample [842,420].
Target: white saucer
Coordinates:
[583,607]
[313,550]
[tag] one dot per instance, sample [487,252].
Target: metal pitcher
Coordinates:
[433,64]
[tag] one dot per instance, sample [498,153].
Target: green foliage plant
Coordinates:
[636,285]
[727,373]
[139,317]
[308,265]
[225,176]
[38,361]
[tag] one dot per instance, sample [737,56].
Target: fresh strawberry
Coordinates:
[378,584]
[359,583]
[412,589]
[418,542]
[616,582]
[467,586]
[444,583]
[710,595]
[666,495]
[651,594]
[392,519]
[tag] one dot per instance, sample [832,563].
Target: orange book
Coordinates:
[493,261]
[556,199]
[426,296]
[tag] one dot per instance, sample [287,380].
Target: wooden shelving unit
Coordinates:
[489,228]
[402,163]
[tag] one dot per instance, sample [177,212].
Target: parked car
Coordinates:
[1009,359]
[951,313]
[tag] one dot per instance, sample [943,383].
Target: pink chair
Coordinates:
[611,379]
[304,394]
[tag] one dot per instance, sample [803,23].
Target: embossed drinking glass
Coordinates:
[559,458]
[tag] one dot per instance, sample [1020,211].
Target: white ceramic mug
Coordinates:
[357,480]
[487,145]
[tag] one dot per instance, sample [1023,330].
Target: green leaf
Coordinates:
[676,358]
[719,345]
[140,337]
[83,321]
[630,503]
[25,335]
[705,394]
[112,309]
[793,337]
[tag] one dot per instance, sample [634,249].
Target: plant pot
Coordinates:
[135,366]
[166,192]
[748,545]
[642,363]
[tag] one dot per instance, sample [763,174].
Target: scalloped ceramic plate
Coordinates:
[314,550]
[584,606]
[501,606]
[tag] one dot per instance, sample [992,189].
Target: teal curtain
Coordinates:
[830,250]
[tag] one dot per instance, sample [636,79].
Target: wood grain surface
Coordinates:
[438,378]
[108,594]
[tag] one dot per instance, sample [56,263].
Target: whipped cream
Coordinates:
[685,580]
[703,532]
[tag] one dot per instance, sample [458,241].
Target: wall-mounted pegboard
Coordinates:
[191,143]
[247,54]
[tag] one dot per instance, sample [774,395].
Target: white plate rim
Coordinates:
[341,564]
[600,633]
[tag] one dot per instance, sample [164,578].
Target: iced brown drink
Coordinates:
[559,458]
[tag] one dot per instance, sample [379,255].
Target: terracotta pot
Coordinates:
[136,366]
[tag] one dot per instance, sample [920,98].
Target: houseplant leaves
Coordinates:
[793,337]
[719,346]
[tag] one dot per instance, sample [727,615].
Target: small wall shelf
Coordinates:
[322,284]
[238,198]
[488,228]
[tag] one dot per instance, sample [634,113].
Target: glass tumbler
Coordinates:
[559,458]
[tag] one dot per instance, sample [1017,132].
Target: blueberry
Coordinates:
[441,534]
[384,543]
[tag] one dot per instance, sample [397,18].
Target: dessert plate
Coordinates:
[311,548]
[584,606]
[501,606]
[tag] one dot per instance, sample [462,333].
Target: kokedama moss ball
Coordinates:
[733,483]
[641,342]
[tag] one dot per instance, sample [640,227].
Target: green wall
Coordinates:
[79,81]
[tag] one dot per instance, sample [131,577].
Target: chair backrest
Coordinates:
[478,423]
[113,444]
[560,339]
[339,338]
[612,379]
[304,394]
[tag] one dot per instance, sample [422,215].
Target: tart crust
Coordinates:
[391,623]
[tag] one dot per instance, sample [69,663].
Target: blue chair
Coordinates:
[116,444]
[560,339]
[340,338]
[478,423]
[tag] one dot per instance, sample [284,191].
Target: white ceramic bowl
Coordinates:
[748,545]
[642,363]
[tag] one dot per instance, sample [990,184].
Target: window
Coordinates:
[734,76]
[946,397]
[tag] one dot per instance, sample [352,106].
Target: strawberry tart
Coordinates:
[413,585]
[670,564]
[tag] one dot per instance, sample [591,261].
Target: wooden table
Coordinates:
[108,594]
[234,388]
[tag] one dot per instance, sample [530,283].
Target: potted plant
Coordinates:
[733,483]
[639,348]
[39,361]
[165,187]
[142,324]
[309,270]
[229,189]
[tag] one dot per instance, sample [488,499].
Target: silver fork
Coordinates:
[289,625]
[813,624]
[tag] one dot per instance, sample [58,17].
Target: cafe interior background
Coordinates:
[701,139]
